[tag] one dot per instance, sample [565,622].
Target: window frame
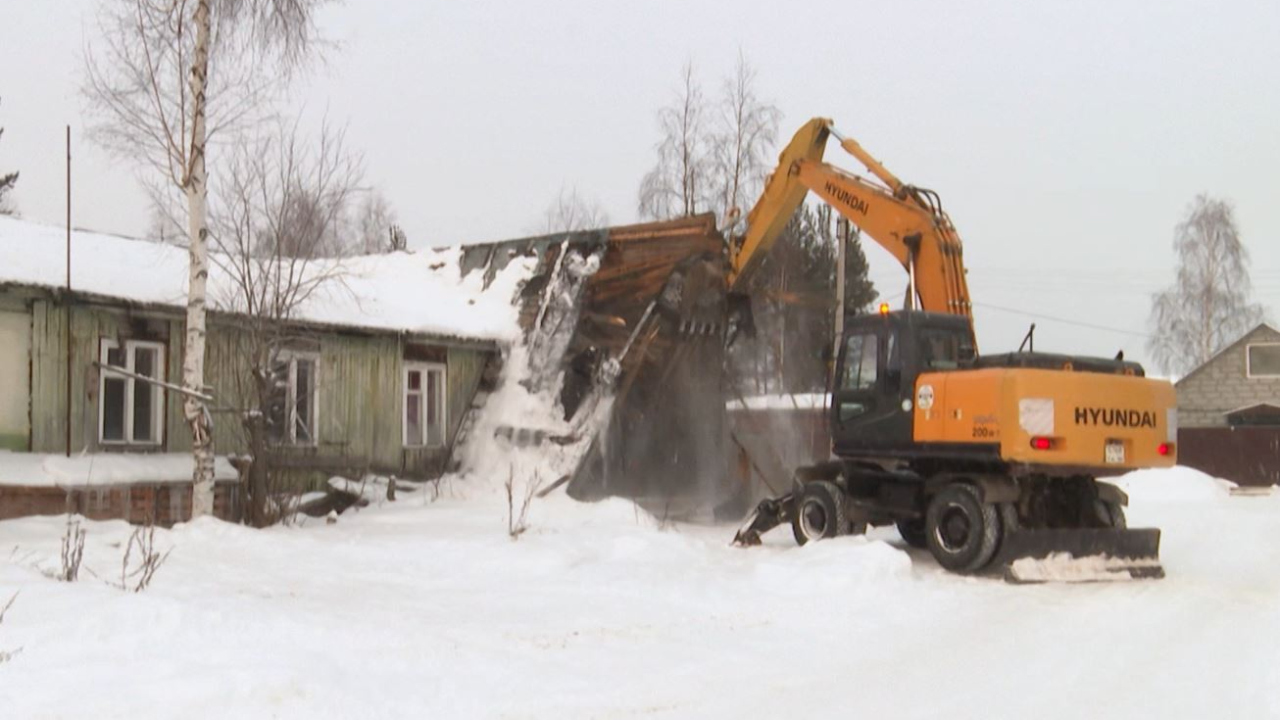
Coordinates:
[291,358]
[443,401]
[1248,361]
[862,354]
[158,398]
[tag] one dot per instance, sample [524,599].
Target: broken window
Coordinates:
[424,405]
[130,409]
[291,411]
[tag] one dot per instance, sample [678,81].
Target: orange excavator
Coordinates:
[992,462]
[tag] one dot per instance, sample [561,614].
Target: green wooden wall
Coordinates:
[359,381]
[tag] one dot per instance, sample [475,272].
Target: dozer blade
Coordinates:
[1079,555]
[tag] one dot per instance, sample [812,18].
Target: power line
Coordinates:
[1065,321]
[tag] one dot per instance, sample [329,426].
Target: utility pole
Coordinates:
[842,240]
[66,307]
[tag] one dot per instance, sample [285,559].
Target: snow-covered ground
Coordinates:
[428,610]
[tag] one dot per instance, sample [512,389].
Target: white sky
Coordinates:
[1066,138]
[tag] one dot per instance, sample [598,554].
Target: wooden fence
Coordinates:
[1247,456]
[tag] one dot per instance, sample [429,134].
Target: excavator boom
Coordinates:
[907,221]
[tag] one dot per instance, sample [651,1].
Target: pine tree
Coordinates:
[795,310]
[6,186]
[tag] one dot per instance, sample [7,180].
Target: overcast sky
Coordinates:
[1065,138]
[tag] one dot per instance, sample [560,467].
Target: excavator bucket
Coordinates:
[769,514]
[1079,555]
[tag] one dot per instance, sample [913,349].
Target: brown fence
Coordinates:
[1247,456]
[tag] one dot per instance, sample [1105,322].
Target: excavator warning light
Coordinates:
[1041,443]
[1164,449]
[884,308]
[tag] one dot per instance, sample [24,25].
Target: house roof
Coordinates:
[421,291]
[1262,406]
[1241,340]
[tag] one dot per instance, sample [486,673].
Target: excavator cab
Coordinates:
[872,393]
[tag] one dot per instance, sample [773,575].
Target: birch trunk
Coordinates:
[196,188]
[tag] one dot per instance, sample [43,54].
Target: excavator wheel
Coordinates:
[962,531]
[1108,514]
[819,513]
[912,531]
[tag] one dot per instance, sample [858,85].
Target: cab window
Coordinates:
[860,362]
[940,350]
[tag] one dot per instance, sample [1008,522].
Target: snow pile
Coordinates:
[423,291]
[36,470]
[521,436]
[1179,484]
[1063,567]
[521,441]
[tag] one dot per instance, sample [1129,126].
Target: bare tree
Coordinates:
[747,130]
[571,212]
[280,205]
[376,230]
[166,77]
[711,157]
[1209,305]
[679,184]
[7,182]
[7,655]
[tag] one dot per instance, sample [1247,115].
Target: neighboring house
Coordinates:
[1229,411]
[379,375]
[1238,386]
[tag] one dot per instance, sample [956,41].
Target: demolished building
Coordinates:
[637,313]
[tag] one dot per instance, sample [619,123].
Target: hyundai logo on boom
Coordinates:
[1115,417]
[846,197]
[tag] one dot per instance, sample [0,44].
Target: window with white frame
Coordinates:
[424,405]
[292,411]
[130,409]
[1263,360]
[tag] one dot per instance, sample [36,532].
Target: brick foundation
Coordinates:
[163,503]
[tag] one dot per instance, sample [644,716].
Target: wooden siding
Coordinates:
[15,376]
[359,388]
[49,367]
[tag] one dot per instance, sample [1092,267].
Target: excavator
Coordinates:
[991,462]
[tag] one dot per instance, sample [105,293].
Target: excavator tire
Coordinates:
[1109,514]
[819,513]
[963,532]
[912,531]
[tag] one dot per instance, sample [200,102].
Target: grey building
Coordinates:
[1237,387]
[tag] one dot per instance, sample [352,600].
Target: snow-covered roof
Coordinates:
[36,470]
[421,291]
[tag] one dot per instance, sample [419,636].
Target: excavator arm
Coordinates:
[907,221]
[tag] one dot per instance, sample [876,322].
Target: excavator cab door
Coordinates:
[870,386]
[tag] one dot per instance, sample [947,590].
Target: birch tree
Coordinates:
[376,230]
[166,79]
[679,183]
[1209,304]
[741,149]
[571,211]
[713,155]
